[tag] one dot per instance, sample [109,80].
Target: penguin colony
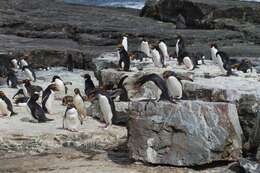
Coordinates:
[170,87]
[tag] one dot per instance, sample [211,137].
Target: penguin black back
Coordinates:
[70,63]
[159,82]
[124,58]
[124,95]
[36,110]
[12,79]
[89,85]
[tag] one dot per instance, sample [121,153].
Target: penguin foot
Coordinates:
[13,114]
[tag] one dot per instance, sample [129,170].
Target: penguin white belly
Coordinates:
[105,109]
[177,48]
[156,58]
[25,91]
[3,108]
[145,48]
[49,103]
[9,83]
[174,86]
[72,121]
[125,44]
[79,104]
[60,85]
[164,50]
[24,63]
[213,55]
[220,64]
[188,63]
[29,74]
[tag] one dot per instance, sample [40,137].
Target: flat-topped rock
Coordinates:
[184,134]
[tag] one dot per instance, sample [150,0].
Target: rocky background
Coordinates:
[179,135]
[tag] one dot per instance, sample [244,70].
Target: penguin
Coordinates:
[6,107]
[12,79]
[29,89]
[36,110]
[245,66]
[188,62]
[22,63]
[180,47]
[222,60]
[125,43]
[145,48]
[70,63]
[159,82]
[78,101]
[59,84]
[124,60]
[174,84]
[48,98]
[29,72]
[20,99]
[107,106]
[156,58]
[14,64]
[214,50]
[89,85]
[124,95]
[71,119]
[164,50]
[137,55]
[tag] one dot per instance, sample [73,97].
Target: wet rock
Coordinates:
[185,134]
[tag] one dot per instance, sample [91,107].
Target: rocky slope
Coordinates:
[50,30]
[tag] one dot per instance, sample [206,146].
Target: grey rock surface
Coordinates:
[188,133]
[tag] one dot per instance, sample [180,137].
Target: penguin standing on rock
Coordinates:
[174,84]
[59,84]
[180,48]
[156,58]
[159,82]
[48,98]
[222,60]
[12,79]
[164,49]
[6,107]
[29,72]
[124,61]
[89,85]
[78,102]
[36,110]
[145,48]
[71,119]
[107,106]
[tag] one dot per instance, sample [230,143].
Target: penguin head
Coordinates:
[213,45]
[2,94]
[179,37]
[70,106]
[77,91]
[86,76]
[26,82]
[53,87]
[55,77]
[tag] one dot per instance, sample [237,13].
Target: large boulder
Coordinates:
[188,133]
[196,12]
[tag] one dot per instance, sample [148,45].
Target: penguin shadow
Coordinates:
[120,155]
[28,120]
